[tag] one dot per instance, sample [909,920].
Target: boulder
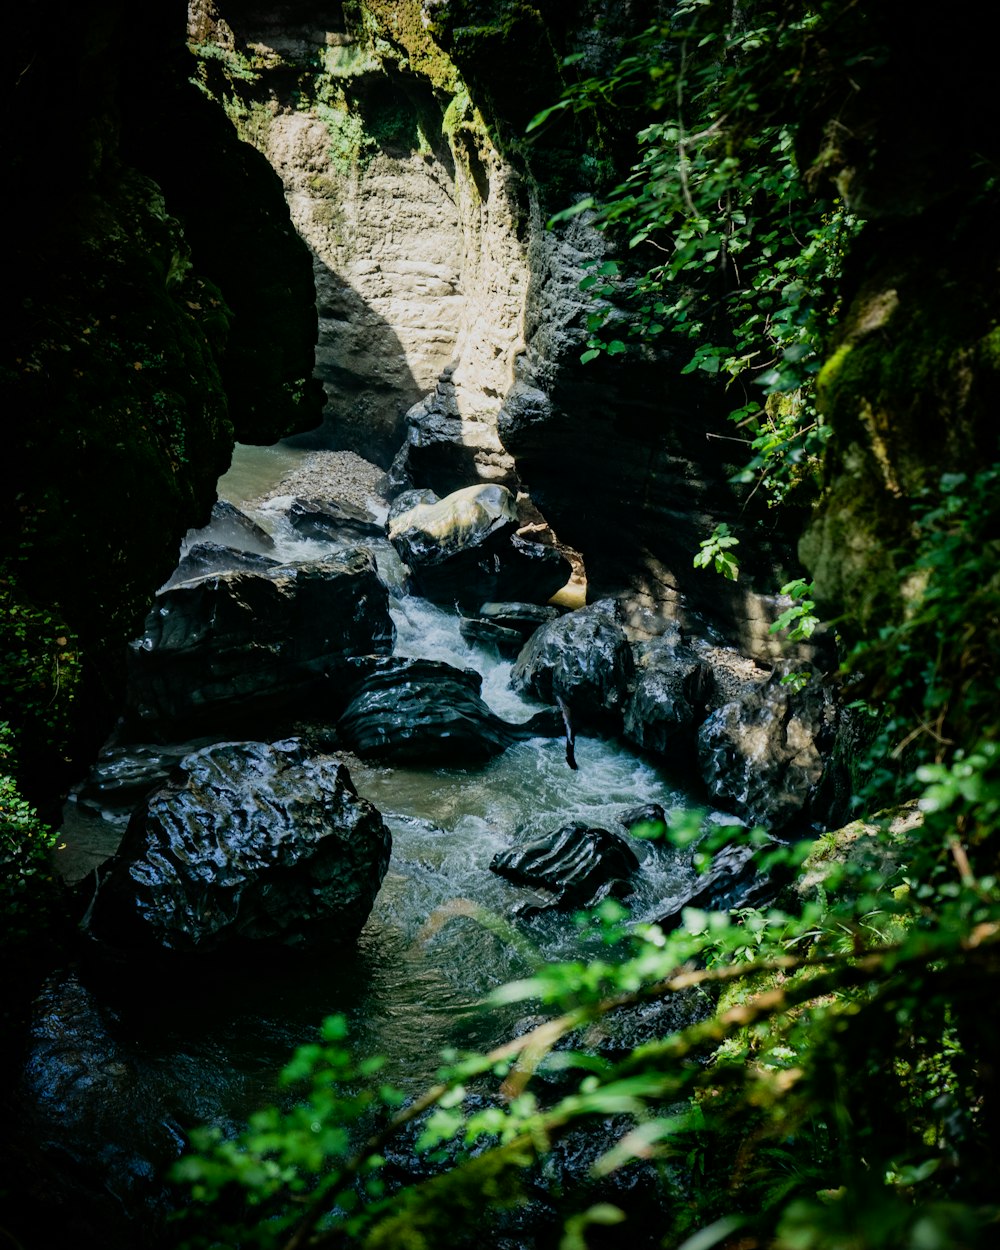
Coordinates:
[763,756]
[667,702]
[333,518]
[648,815]
[583,658]
[254,842]
[233,644]
[523,617]
[204,558]
[229,527]
[732,880]
[425,711]
[408,499]
[507,641]
[578,865]
[92,1129]
[465,549]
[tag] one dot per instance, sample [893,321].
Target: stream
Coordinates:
[209,1046]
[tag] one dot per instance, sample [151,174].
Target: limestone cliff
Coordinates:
[451,319]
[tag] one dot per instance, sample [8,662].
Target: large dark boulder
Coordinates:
[424,711]
[94,1136]
[255,842]
[578,865]
[465,549]
[242,643]
[763,757]
[583,658]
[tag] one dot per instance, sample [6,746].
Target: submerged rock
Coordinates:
[579,865]
[230,644]
[256,842]
[424,711]
[465,549]
[583,658]
[763,756]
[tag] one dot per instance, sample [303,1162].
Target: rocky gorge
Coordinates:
[382,702]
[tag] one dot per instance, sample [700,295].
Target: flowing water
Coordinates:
[441,934]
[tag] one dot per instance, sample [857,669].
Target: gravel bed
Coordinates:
[341,475]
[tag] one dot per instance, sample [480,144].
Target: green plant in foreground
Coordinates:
[806,1072]
[26,873]
[715,551]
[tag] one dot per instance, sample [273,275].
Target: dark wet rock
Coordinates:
[205,558]
[583,658]
[424,711]
[408,499]
[256,842]
[234,644]
[579,865]
[465,549]
[763,757]
[732,880]
[333,518]
[667,702]
[98,1141]
[524,617]
[122,776]
[507,641]
[229,527]
[647,814]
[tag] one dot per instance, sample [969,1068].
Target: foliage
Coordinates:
[735,252]
[934,670]
[840,1059]
[715,551]
[26,886]
[835,1085]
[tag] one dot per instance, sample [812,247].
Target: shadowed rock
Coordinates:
[230,527]
[237,643]
[205,558]
[668,698]
[579,865]
[255,842]
[424,711]
[732,880]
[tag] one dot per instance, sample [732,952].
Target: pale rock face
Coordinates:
[418,267]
